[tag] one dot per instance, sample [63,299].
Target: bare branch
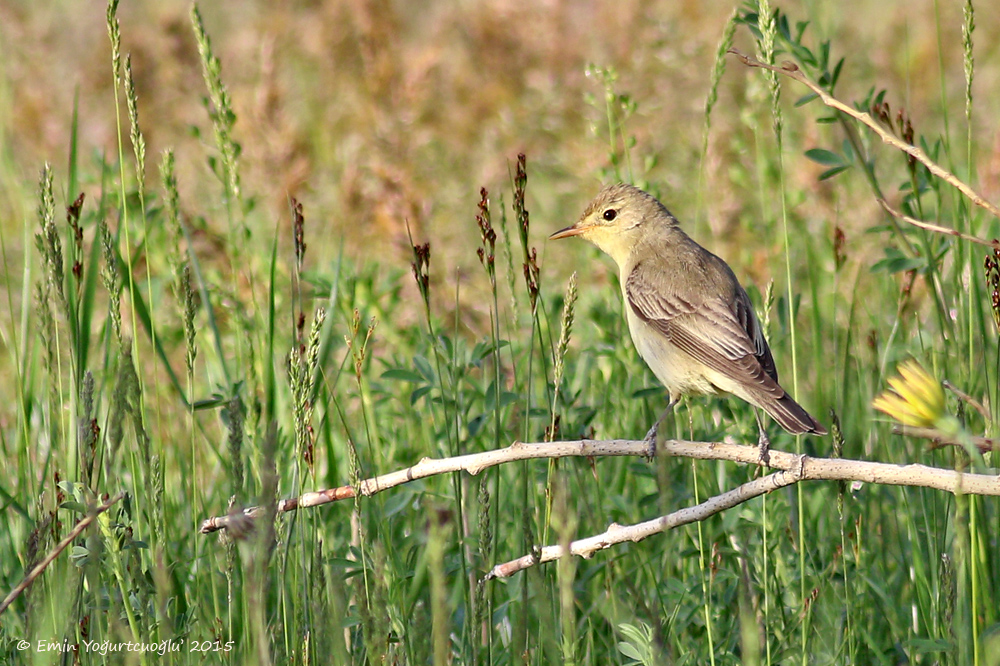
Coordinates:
[939,439]
[616,534]
[812,469]
[472,463]
[969,400]
[792,71]
[37,570]
[938,229]
[795,468]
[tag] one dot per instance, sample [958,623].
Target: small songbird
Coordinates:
[690,319]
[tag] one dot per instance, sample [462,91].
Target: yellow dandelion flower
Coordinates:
[916,398]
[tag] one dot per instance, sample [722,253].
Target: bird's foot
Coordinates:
[764,446]
[650,439]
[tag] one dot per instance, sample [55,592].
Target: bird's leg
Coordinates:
[763,443]
[651,435]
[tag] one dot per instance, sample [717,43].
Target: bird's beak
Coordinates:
[574,230]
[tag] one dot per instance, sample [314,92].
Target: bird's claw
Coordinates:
[650,439]
[764,445]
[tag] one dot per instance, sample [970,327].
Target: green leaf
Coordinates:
[508,398]
[486,348]
[824,157]
[79,556]
[424,367]
[419,393]
[800,29]
[639,643]
[929,645]
[897,262]
[208,403]
[804,55]
[476,424]
[836,73]
[403,375]
[824,60]
[636,634]
[805,99]
[76,507]
[783,29]
[342,564]
[848,151]
[630,651]
[830,173]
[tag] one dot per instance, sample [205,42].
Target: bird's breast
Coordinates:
[679,373]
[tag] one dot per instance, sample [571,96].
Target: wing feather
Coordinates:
[721,333]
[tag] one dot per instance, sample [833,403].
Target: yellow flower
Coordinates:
[916,398]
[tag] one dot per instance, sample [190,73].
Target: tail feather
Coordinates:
[791,416]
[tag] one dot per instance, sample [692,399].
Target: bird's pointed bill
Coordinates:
[567,232]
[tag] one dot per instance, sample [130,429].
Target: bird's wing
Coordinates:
[743,310]
[723,335]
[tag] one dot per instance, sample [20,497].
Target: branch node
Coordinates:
[800,471]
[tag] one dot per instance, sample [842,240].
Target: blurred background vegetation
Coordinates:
[372,113]
[384,119]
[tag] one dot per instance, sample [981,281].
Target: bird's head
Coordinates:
[619,219]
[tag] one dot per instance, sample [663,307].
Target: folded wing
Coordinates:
[722,332]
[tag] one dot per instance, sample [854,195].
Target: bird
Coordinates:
[690,319]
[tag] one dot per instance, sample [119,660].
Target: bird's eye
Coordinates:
[610,214]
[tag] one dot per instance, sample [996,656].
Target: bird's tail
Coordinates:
[791,416]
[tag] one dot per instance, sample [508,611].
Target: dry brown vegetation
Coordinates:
[377,113]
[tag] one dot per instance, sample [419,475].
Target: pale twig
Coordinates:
[616,533]
[936,228]
[37,570]
[968,399]
[794,468]
[792,71]
[939,439]
[472,463]
[812,468]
